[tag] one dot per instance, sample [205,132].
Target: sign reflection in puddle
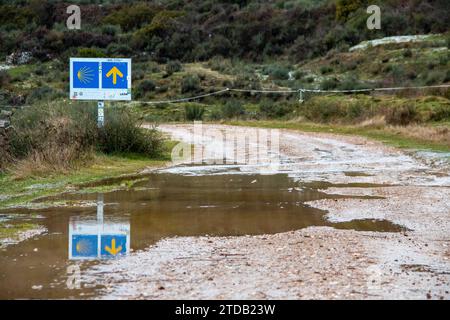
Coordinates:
[98,239]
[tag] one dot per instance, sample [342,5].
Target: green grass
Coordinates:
[17,71]
[12,231]
[383,135]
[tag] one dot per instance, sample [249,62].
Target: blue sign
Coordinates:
[100,79]
[84,246]
[113,245]
[114,75]
[85,74]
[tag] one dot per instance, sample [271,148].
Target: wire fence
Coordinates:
[299,91]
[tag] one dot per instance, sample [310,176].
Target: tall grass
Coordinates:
[58,137]
[194,111]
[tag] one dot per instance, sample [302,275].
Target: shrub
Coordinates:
[40,70]
[138,74]
[273,109]
[130,17]
[51,137]
[218,63]
[43,93]
[447,76]
[407,53]
[190,83]
[232,109]
[351,83]
[123,133]
[323,109]
[110,30]
[355,110]
[193,112]
[90,53]
[146,86]
[299,74]
[215,114]
[173,66]
[4,78]
[277,72]
[345,7]
[398,73]
[326,69]
[329,84]
[56,137]
[119,49]
[411,75]
[434,77]
[401,115]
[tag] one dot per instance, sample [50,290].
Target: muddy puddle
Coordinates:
[93,227]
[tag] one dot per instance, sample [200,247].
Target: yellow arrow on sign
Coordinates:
[114,72]
[113,250]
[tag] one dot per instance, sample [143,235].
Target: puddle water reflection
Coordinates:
[162,205]
[99,239]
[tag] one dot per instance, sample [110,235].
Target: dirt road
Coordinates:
[317,262]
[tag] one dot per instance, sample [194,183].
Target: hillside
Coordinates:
[190,48]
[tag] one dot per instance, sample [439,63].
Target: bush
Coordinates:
[277,72]
[40,70]
[193,112]
[215,114]
[56,137]
[146,86]
[90,53]
[326,69]
[190,83]
[52,126]
[271,109]
[323,109]
[329,84]
[110,30]
[434,77]
[401,115]
[4,78]
[232,109]
[173,66]
[138,74]
[351,83]
[130,17]
[117,49]
[123,133]
[407,53]
[43,93]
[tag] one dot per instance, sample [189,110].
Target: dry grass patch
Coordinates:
[425,133]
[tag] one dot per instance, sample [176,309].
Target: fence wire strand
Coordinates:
[290,91]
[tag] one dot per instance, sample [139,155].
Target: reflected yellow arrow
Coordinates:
[113,250]
[114,72]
